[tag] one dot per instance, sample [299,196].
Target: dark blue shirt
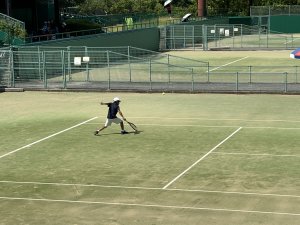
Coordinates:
[113,110]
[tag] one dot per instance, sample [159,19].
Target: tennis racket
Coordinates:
[133,126]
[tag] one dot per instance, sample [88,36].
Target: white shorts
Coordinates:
[110,121]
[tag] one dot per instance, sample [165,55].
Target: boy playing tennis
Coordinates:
[113,109]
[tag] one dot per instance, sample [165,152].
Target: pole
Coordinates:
[8,7]
[201,7]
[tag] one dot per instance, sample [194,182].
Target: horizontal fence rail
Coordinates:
[132,69]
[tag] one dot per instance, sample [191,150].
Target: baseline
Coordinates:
[150,188]
[210,126]
[254,154]
[150,205]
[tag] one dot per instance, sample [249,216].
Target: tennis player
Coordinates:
[113,110]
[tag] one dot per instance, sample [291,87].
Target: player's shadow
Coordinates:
[129,132]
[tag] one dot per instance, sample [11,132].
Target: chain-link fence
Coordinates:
[133,69]
[205,37]
[275,10]
[5,68]
[95,68]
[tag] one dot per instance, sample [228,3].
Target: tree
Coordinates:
[213,7]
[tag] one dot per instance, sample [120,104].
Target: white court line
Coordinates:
[290,41]
[151,188]
[195,125]
[228,64]
[254,154]
[151,206]
[280,128]
[211,126]
[195,163]
[208,119]
[33,143]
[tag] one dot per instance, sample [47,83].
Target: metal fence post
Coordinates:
[204,37]
[193,40]
[237,81]
[250,74]
[233,36]
[108,68]
[87,65]
[69,63]
[12,69]
[259,36]
[296,75]
[193,84]
[150,74]
[241,35]
[63,68]
[44,69]
[169,75]
[184,36]
[129,64]
[39,58]
[208,73]
[286,43]
[285,82]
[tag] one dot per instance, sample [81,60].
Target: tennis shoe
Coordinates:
[96,132]
[124,132]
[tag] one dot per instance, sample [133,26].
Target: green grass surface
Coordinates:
[74,177]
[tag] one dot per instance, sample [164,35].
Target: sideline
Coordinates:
[43,139]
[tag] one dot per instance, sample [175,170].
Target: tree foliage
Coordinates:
[213,7]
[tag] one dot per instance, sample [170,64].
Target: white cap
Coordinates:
[116,99]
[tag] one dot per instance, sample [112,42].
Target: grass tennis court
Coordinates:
[200,159]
